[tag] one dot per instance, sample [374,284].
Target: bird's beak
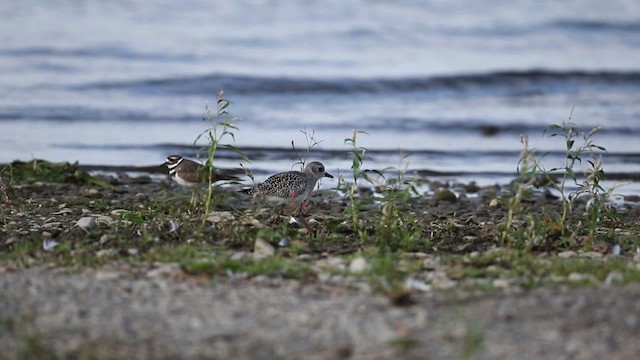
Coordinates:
[326,174]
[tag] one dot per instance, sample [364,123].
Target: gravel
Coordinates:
[162,313]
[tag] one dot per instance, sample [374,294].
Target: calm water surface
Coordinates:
[451,84]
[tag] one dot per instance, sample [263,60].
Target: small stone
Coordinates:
[614,278]
[284,242]
[49,244]
[52,225]
[141,196]
[104,219]
[118,212]
[592,255]
[616,250]
[103,239]
[86,222]
[415,284]
[472,187]
[574,277]
[219,216]
[46,235]
[435,185]
[164,270]
[358,265]
[106,275]
[92,193]
[493,203]
[262,249]
[331,263]
[132,251]
[238,255]
[443,194]
[105,252]
[500,283]
[429,264]
[567,254]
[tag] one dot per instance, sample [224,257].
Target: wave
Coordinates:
[277,153]
[514,82]
[101,52]
[598,25]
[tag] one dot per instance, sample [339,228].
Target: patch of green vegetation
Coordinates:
[530,270]
[526,231]
[41,170]
[404,343]
[35,348]
[473,343]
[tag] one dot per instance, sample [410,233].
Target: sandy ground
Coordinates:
[162,313]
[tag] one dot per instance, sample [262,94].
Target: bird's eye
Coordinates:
[321,169]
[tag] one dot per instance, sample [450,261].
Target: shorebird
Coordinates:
[291,184]
[188,172]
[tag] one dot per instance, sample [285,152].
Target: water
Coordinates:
[451,84]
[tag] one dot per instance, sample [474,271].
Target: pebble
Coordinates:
[262,249]
[118,212]
[92,193]
[443,194]
[104,219]
[141,196]
[493,203]
[616,250]
[592,255]
[567,254]
[49,244]
[86,222]
[105,252]
[284,242]
[103,239]
[500,283]
[358,265]
[219,216]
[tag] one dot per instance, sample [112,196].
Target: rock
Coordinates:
[118,212]
[219,216]
[141,196]
[49,244]
[106,252]
[616,250]
[500,283]
[415,284]
[46,235]
[472,187]
[104,238]
[262,249]
[92,193]
[443,194]
[494,203]
[358,265]
[614,278]
[132,251]
[429,264]
[435,185]
[104,219]
[574,277]
[333,262]
[52,225]
[567,254]
[86,222]
[591,255]
[284,242]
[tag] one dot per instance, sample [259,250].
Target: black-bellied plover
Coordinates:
[291,184]
[187,172]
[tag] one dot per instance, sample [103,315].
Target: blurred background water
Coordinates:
[452,84]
